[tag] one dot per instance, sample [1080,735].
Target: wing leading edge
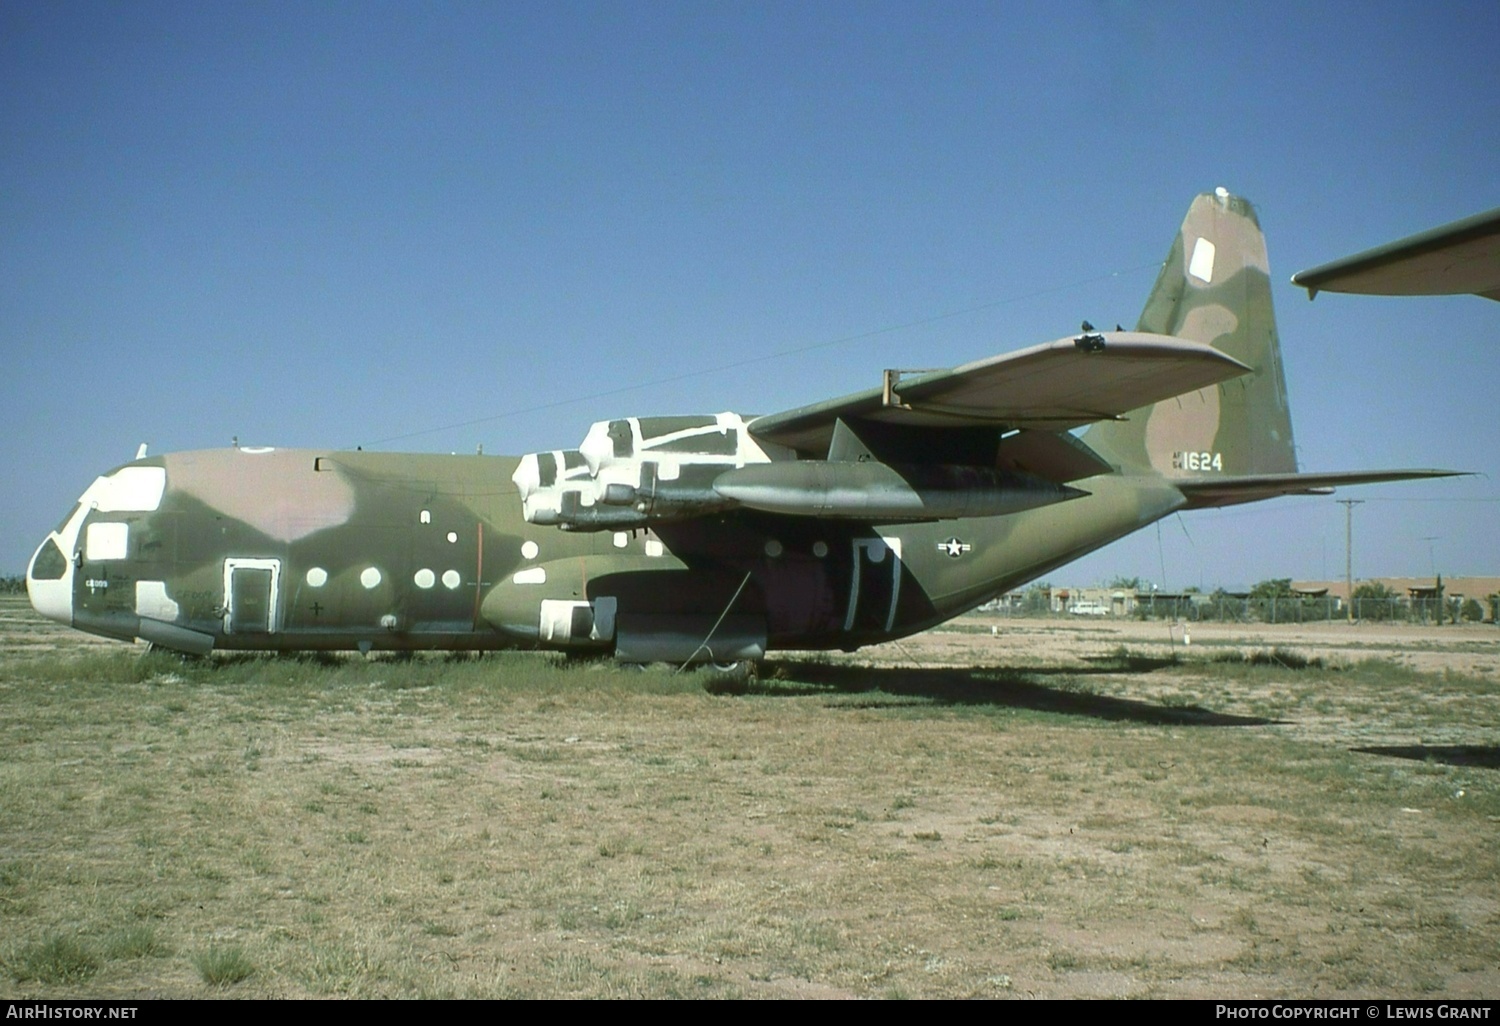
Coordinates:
[1052,387]
[1463,256]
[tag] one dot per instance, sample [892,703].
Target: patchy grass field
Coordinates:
[1062,810]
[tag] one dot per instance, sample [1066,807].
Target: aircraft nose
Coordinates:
[49,581]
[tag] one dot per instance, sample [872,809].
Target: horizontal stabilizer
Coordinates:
[1202,492]
[1054,387]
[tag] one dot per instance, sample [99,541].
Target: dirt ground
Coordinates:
[1469,648]
[1000,808]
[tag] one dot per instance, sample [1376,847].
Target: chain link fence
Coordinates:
[1223,607]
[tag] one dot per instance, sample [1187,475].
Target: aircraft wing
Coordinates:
[1202,492]
[1052,387]
[1452,259]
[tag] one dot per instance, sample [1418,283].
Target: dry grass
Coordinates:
[1018,824]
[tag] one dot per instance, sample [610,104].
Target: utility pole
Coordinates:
[1431,560]
[1349,505]
[1437,577]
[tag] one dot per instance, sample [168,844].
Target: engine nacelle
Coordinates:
[880,491]
[636,472]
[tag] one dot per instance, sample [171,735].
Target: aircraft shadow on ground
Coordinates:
[1006,687]
[1486,756]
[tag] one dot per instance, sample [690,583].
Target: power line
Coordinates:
[781,354]
[1456,498]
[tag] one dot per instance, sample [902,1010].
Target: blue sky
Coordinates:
[339,224]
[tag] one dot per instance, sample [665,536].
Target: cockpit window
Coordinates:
[50,564]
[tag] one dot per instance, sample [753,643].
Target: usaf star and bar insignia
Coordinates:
[954,547]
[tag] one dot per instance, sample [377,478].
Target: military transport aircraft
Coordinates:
[716,538]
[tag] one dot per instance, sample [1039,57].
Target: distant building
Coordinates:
[1415,595]
[1477,588]
[1093,601]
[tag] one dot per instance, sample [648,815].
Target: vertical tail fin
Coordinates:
[1214,288]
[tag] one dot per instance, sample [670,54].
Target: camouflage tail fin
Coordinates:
[1214,288]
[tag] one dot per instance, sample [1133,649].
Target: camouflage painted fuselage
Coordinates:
[298,549]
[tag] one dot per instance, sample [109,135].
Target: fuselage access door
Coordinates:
[252,592]
[874,584]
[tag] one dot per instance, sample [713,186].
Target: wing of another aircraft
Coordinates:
[1051,387]
[1452,259]
[1203,492]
